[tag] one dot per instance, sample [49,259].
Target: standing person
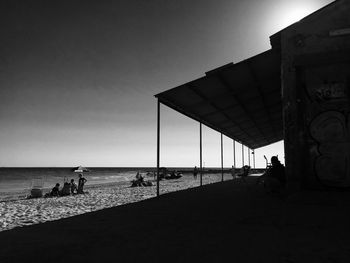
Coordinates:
[195,172]
[139,176]
[81,183]
[233,172]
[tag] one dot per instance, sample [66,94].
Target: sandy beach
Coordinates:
[17,213]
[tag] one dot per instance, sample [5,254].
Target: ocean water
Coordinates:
[15,183]
[20,180]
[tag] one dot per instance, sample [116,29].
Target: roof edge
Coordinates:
[226,66]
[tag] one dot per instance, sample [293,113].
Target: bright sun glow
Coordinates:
[284,14]
[293,15]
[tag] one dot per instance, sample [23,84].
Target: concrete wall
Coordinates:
[316,98]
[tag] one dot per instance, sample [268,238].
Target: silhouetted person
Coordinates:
[81,183]
[233,172]
[139,177]
[195,172]
[55,191]
[244,173]
[66,189]
[73,187]
[274,178]
[139,181]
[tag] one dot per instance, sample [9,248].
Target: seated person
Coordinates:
[274,178]
[138,180]
[73,187]
[244,173]
[66,189]
[56,190]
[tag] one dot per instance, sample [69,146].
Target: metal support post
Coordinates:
[222,160]
[242,154]
[200,153]
[234,155]
[248,156]
[253,152]
[158,143]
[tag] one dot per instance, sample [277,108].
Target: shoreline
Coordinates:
[24,195]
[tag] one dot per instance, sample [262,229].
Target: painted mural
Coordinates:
[331,131]
[327,96]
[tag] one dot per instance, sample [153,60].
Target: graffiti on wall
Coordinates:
[331,91]
[326,103]
[331,130]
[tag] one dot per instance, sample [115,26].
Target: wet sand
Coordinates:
[220,222]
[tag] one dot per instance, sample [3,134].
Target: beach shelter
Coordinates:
[297,91]
[315,66]
[242,101]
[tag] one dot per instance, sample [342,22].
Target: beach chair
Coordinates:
[268,165]
[260,179]
[36,188]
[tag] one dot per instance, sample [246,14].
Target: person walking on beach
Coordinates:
[195,172]
[81,183]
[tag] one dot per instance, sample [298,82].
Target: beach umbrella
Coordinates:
[80,169]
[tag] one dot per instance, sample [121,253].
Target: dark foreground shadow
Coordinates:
[215,223]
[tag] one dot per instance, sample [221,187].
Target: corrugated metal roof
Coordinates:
[242,101]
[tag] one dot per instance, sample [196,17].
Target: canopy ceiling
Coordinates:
[242,101]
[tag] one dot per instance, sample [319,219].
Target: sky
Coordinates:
[78,78]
